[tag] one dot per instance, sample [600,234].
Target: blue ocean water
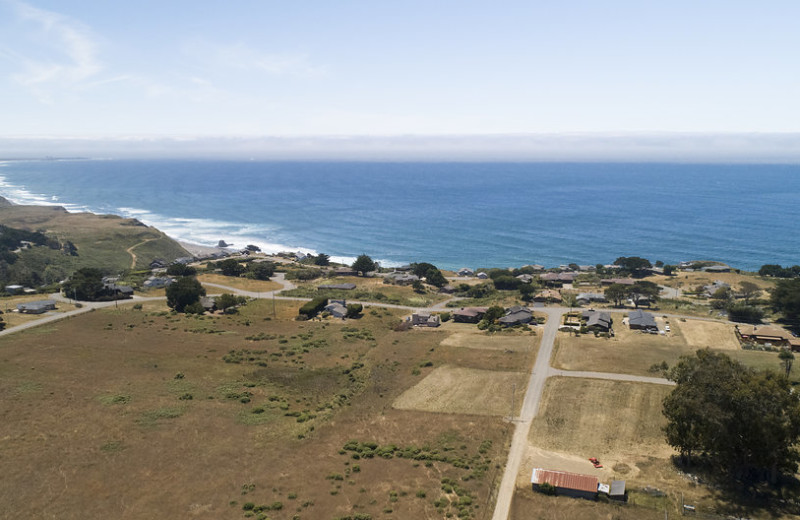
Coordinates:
[449,214]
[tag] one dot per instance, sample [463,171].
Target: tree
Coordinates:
[231,267]
[527,291]
[228,302]
[364,265]
[749,290]
[322,260]
[260,270]
[669,269]
[418,287]
[742,312]
[635,265]
[786,298]
[743,422]
[354,310]
[86,284]
[644,290]
[506,283]
[430,272]
[616,292]
[184,292]
[179,269]
[787,359]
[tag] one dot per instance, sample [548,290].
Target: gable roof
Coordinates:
[641,319]
[564,480]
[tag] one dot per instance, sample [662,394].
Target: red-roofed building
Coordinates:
[569,484]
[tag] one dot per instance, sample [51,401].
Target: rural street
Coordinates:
[530,406]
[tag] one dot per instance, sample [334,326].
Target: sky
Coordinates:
[386,75]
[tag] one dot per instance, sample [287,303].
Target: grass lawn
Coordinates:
[150,414]
[368,289]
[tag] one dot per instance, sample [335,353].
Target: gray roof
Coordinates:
[40,304]
[617,488]
[342,286]
[598,319]
[641,319]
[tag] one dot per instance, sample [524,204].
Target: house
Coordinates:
[208,303]
[469,314]
[482,275]
[402,278]
[534,267]
[465,271]
[710,289]
[587,298]
[337,308]
[719,268]
[547,295]
[525,278]
[640,320]
[155,282]
[158,263]
[14,289]
[337,286]
[516,316]
[37,307]
[120,291]
[557,279]
[621,281]
[763,334]
[344,271]
[424,319]
[597,320]
[565,483]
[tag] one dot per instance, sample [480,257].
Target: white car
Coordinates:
[666,328]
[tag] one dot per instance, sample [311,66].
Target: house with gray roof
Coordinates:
[337,308]
[597,320]
[424,319]
[640,320]
[516,315]
[587,298]
[37,307]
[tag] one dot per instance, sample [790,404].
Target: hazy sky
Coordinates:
[74,68]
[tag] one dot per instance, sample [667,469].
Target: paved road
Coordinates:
[530,406]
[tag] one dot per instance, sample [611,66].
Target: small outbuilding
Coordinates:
[617,491]
[338,286]
[565,483]
[337,308]
[469,314]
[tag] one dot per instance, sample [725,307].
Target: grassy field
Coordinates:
[628,352]
[465,390]
[244,284]
[368,289]
[148,414]
[101,240]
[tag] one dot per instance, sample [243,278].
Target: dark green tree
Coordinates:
[669,270]
[260,270]
[179,269]
[741,312]
[354,310]
[184,292]
[786,298]
[322,259]
[231,267]
[787,359]
[86,284]
[364,265]
[744,423]
[635,265]
[749,290]
[527,291]
[644,290]
[617,293]
[506,283]
[228,302]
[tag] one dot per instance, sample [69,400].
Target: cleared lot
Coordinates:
[465,390]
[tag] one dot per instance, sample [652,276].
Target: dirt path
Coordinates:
[610,376]
[133,255]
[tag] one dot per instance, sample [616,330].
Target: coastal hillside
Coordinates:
[108,242]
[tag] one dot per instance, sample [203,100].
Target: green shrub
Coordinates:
[311,308]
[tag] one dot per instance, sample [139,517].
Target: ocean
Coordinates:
[450,214]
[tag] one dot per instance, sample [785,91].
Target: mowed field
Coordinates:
[617,422]
[466,391]
[148,414]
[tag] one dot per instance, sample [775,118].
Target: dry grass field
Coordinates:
[368,289]
[628,352]
[707,334]
[244,284]
[146,414]
[476,339]
[465,391]
[12,318]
